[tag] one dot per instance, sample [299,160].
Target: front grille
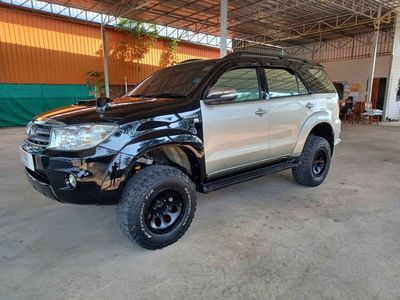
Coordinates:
[39,135]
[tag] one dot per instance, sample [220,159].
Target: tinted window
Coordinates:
[244,81]
[318,80]
[302,88]
[174,81]
[282,83]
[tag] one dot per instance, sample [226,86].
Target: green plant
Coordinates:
[172,47]
[169,56]
[142,37]
[95,80]
[138,28]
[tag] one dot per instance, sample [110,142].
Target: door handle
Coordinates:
[309,105]
[260,112]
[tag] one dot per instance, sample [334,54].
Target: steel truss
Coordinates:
[358,46]
[277,22]
[329,18]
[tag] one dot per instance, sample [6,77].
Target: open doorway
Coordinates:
[378,93]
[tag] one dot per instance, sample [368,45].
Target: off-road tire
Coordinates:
[303,173]
[137,196]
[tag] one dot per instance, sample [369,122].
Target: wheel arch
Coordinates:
[318,127]
[185,153]
[325,131]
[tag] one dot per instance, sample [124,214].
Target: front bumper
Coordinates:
[39,185]
[99,173]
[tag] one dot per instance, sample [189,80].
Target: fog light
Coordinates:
[71,180]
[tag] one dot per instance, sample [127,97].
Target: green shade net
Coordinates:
[19,103]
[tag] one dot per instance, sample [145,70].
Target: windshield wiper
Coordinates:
[167,95]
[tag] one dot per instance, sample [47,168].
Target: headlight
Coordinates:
[79,137]
[28,128]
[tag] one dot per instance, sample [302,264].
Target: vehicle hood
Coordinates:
[122,110]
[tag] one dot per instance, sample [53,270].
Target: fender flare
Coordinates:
[190,143]
[112,184]
[314,120]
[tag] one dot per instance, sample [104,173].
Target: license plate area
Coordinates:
[27,159]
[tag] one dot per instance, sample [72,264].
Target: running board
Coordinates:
[220,183]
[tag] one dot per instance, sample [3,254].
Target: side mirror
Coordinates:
[220,95]
[103,104]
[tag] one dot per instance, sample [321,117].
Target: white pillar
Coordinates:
[392,101]
[224,26]
[105,62]
[373,56]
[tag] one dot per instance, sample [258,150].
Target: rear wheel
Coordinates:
[314,162]
[157,206]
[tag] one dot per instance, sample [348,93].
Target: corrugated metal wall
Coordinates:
[40,49]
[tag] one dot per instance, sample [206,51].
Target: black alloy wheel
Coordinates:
[165,211]
[319,163]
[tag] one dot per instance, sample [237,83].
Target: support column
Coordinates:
[224,26]
[105,62]
[392,100]
[377,24]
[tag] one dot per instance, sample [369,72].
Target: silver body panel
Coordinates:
[236,137]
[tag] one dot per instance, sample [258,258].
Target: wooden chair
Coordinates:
[349,117]
[356,114]
[358,111]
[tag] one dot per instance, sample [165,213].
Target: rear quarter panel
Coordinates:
[325,110]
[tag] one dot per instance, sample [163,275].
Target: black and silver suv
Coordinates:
[197,126]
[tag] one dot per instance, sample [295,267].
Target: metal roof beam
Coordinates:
[309,29]
[366,8]
[261,15]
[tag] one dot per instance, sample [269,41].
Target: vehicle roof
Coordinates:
[270,59]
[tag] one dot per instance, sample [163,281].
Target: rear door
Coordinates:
[289,105]
[236,133]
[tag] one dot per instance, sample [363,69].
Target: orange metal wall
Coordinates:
[40,49]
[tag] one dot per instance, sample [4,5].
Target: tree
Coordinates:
[95,79]
[141,37]
[169,56]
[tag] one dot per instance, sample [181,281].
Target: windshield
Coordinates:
[176,81]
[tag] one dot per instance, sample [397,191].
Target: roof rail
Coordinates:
[270,55]
[189,60]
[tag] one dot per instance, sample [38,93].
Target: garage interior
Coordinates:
[266,238]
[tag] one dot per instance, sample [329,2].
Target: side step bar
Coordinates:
[225,181]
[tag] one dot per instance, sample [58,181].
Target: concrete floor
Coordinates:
[264,239]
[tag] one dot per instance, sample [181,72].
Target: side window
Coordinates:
[244,81]
[282,83]
[318,80]
[302,88]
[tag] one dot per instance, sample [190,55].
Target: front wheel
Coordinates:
[157,206]
[314,162]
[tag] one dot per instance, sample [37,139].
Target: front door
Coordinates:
[236,133]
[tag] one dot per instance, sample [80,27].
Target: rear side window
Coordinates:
[282,83]
[318,80]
